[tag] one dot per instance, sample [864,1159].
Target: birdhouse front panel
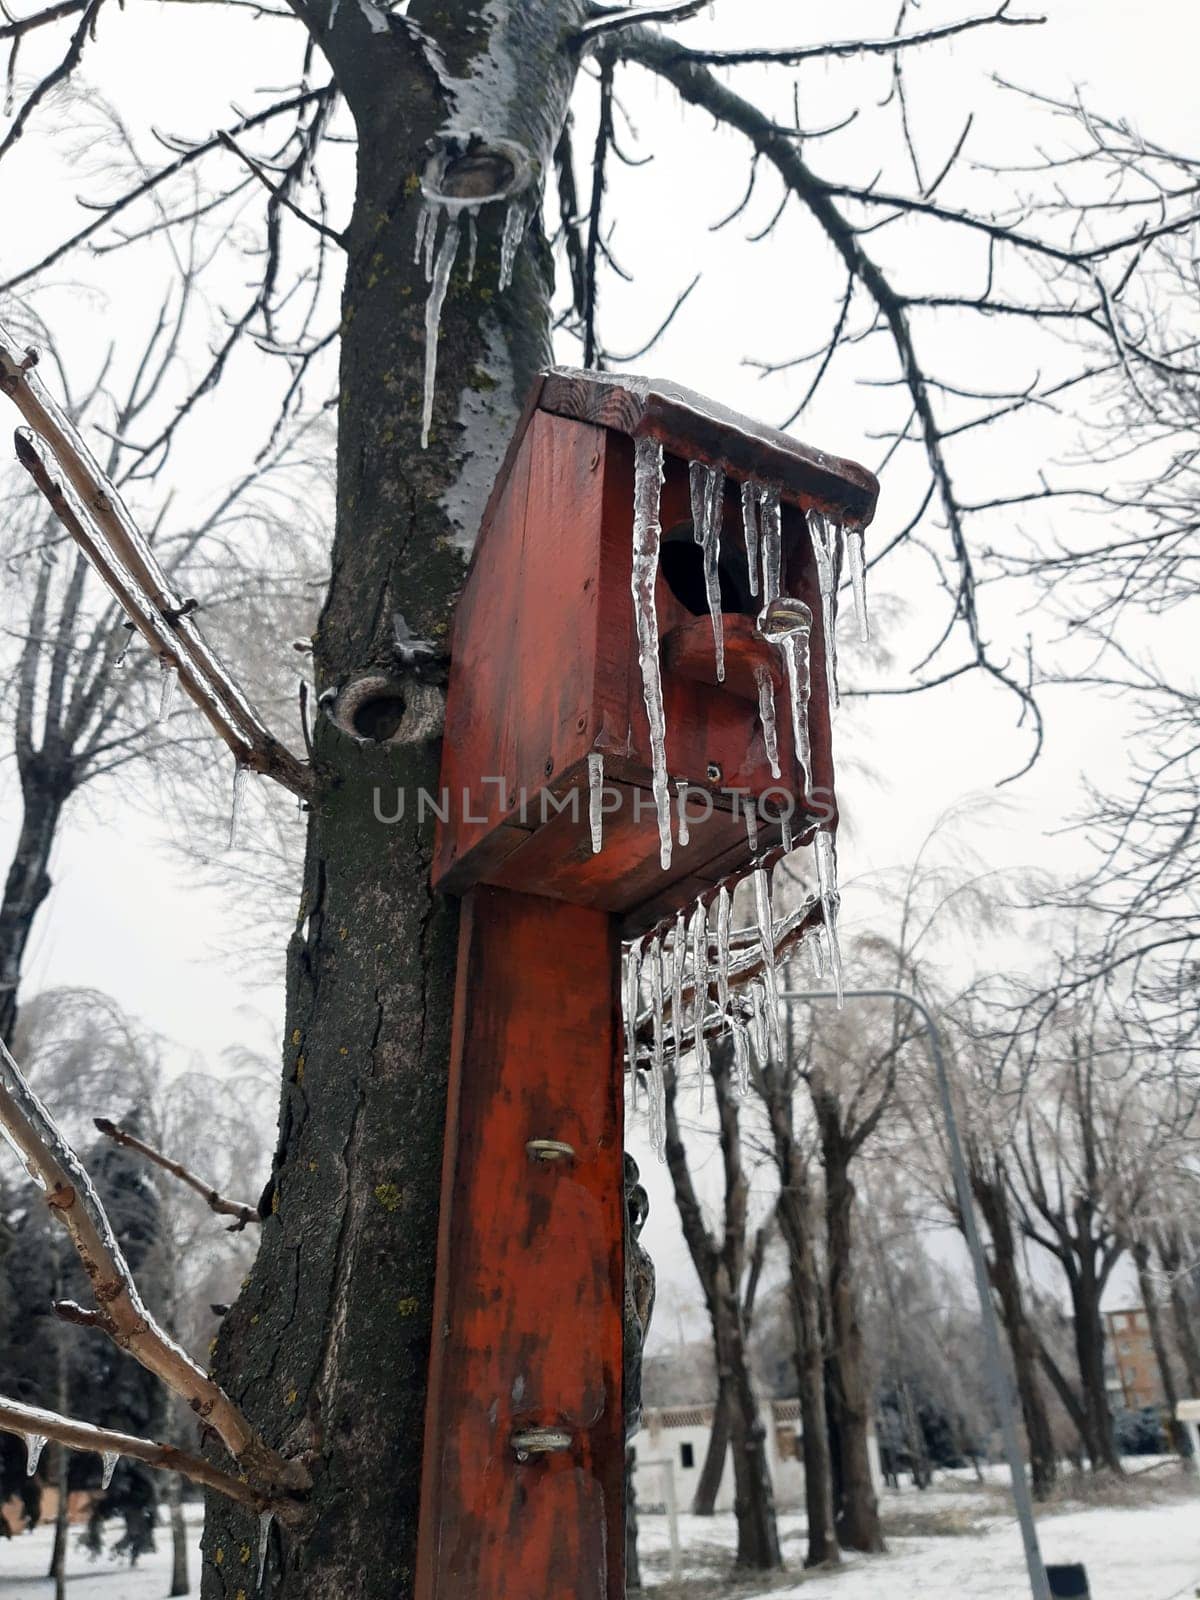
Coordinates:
[550,782]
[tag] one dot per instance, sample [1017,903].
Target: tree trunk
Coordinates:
[27,885]
[858,1524]
[1002,1267]
[1176,1429]
[1089,1352]
[179,1538]
[58,1556]
[795,1221]
[327,1347]
[709,1483]
[1170,1253]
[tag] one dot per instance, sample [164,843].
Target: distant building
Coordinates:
[1135,1379]
[680,1435]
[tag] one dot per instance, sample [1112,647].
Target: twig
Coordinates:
[277,190]
[31,1421]
[627,16]
[103,528]
[120,1310]
[211,1197]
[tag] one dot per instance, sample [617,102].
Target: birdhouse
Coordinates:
[622,692]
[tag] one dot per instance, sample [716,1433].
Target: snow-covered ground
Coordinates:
[959,1540]
[24,1560]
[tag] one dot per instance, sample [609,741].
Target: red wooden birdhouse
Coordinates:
[546,650]
[649,608]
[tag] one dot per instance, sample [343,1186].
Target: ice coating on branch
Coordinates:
[685,837]
[750,527]
[766,944]
[724,911]
[679,944]
[699,932]
[514,227]
[433,316]
[825,549]
[35,1443]
[766,716]
[266,1518]
[853,540]
[596,799]
[240,774]
[630,995]
[166,698]
[647,534]
[376,19]
[658,1056]
[108,1465]
[823,848]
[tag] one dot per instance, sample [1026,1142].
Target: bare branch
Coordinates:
[120,1310]
[627,16]
[215,1201]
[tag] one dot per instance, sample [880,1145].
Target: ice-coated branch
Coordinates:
[93,513]
[213,1199]
[119,1310]
[605,21]
[30,1422]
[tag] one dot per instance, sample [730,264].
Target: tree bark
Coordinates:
[705,1499]
[795,1221]
[1166,1371]
[719,1268]
[1170,1253]
[1089,1353]
[858,1524]
[327,1347]
[179,1538]
[990,1195]
[27,883]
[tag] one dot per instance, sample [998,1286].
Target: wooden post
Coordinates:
[529,1307]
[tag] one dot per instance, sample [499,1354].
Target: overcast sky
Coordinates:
[904,761]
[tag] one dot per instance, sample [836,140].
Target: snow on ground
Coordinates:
[958,1540]
[25,1559]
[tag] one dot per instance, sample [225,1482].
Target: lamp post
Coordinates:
[1039,1585]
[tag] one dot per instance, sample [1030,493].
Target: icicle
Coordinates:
[741,1054]
[514,227]
[766,716]
[648,477]
[108,1465]
[629,1012]
[772,545]
[700,998]
[697,487]
[853,540]
[823,544]
[433,319]
[264,1535]
[681,790]
[714,507]
[431,228]
[758,1022]
[657,1060]
[750,526]
[724,910]
[472,245]
[35,1443]
[766,944]
[596,799]
[423,217]
[752,827]
[830,901]
[166,698]
[240,773]
[678,963]
[785,825]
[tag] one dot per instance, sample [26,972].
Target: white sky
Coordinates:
[178,67]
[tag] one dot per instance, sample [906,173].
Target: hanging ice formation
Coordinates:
[166,698]
[108,1465]
[766,942]
[830,903]
[647,534]
[827,553]
[596,799]
[438,284]
[240,774]
[681,812]
[787,623]
[264,1535]
[708,508]
[630,996]
[659,1052]
[750,529]
[766,716]
[699,932]
[35,1443]
[853,538]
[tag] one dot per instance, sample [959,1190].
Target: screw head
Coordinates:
[714,772]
